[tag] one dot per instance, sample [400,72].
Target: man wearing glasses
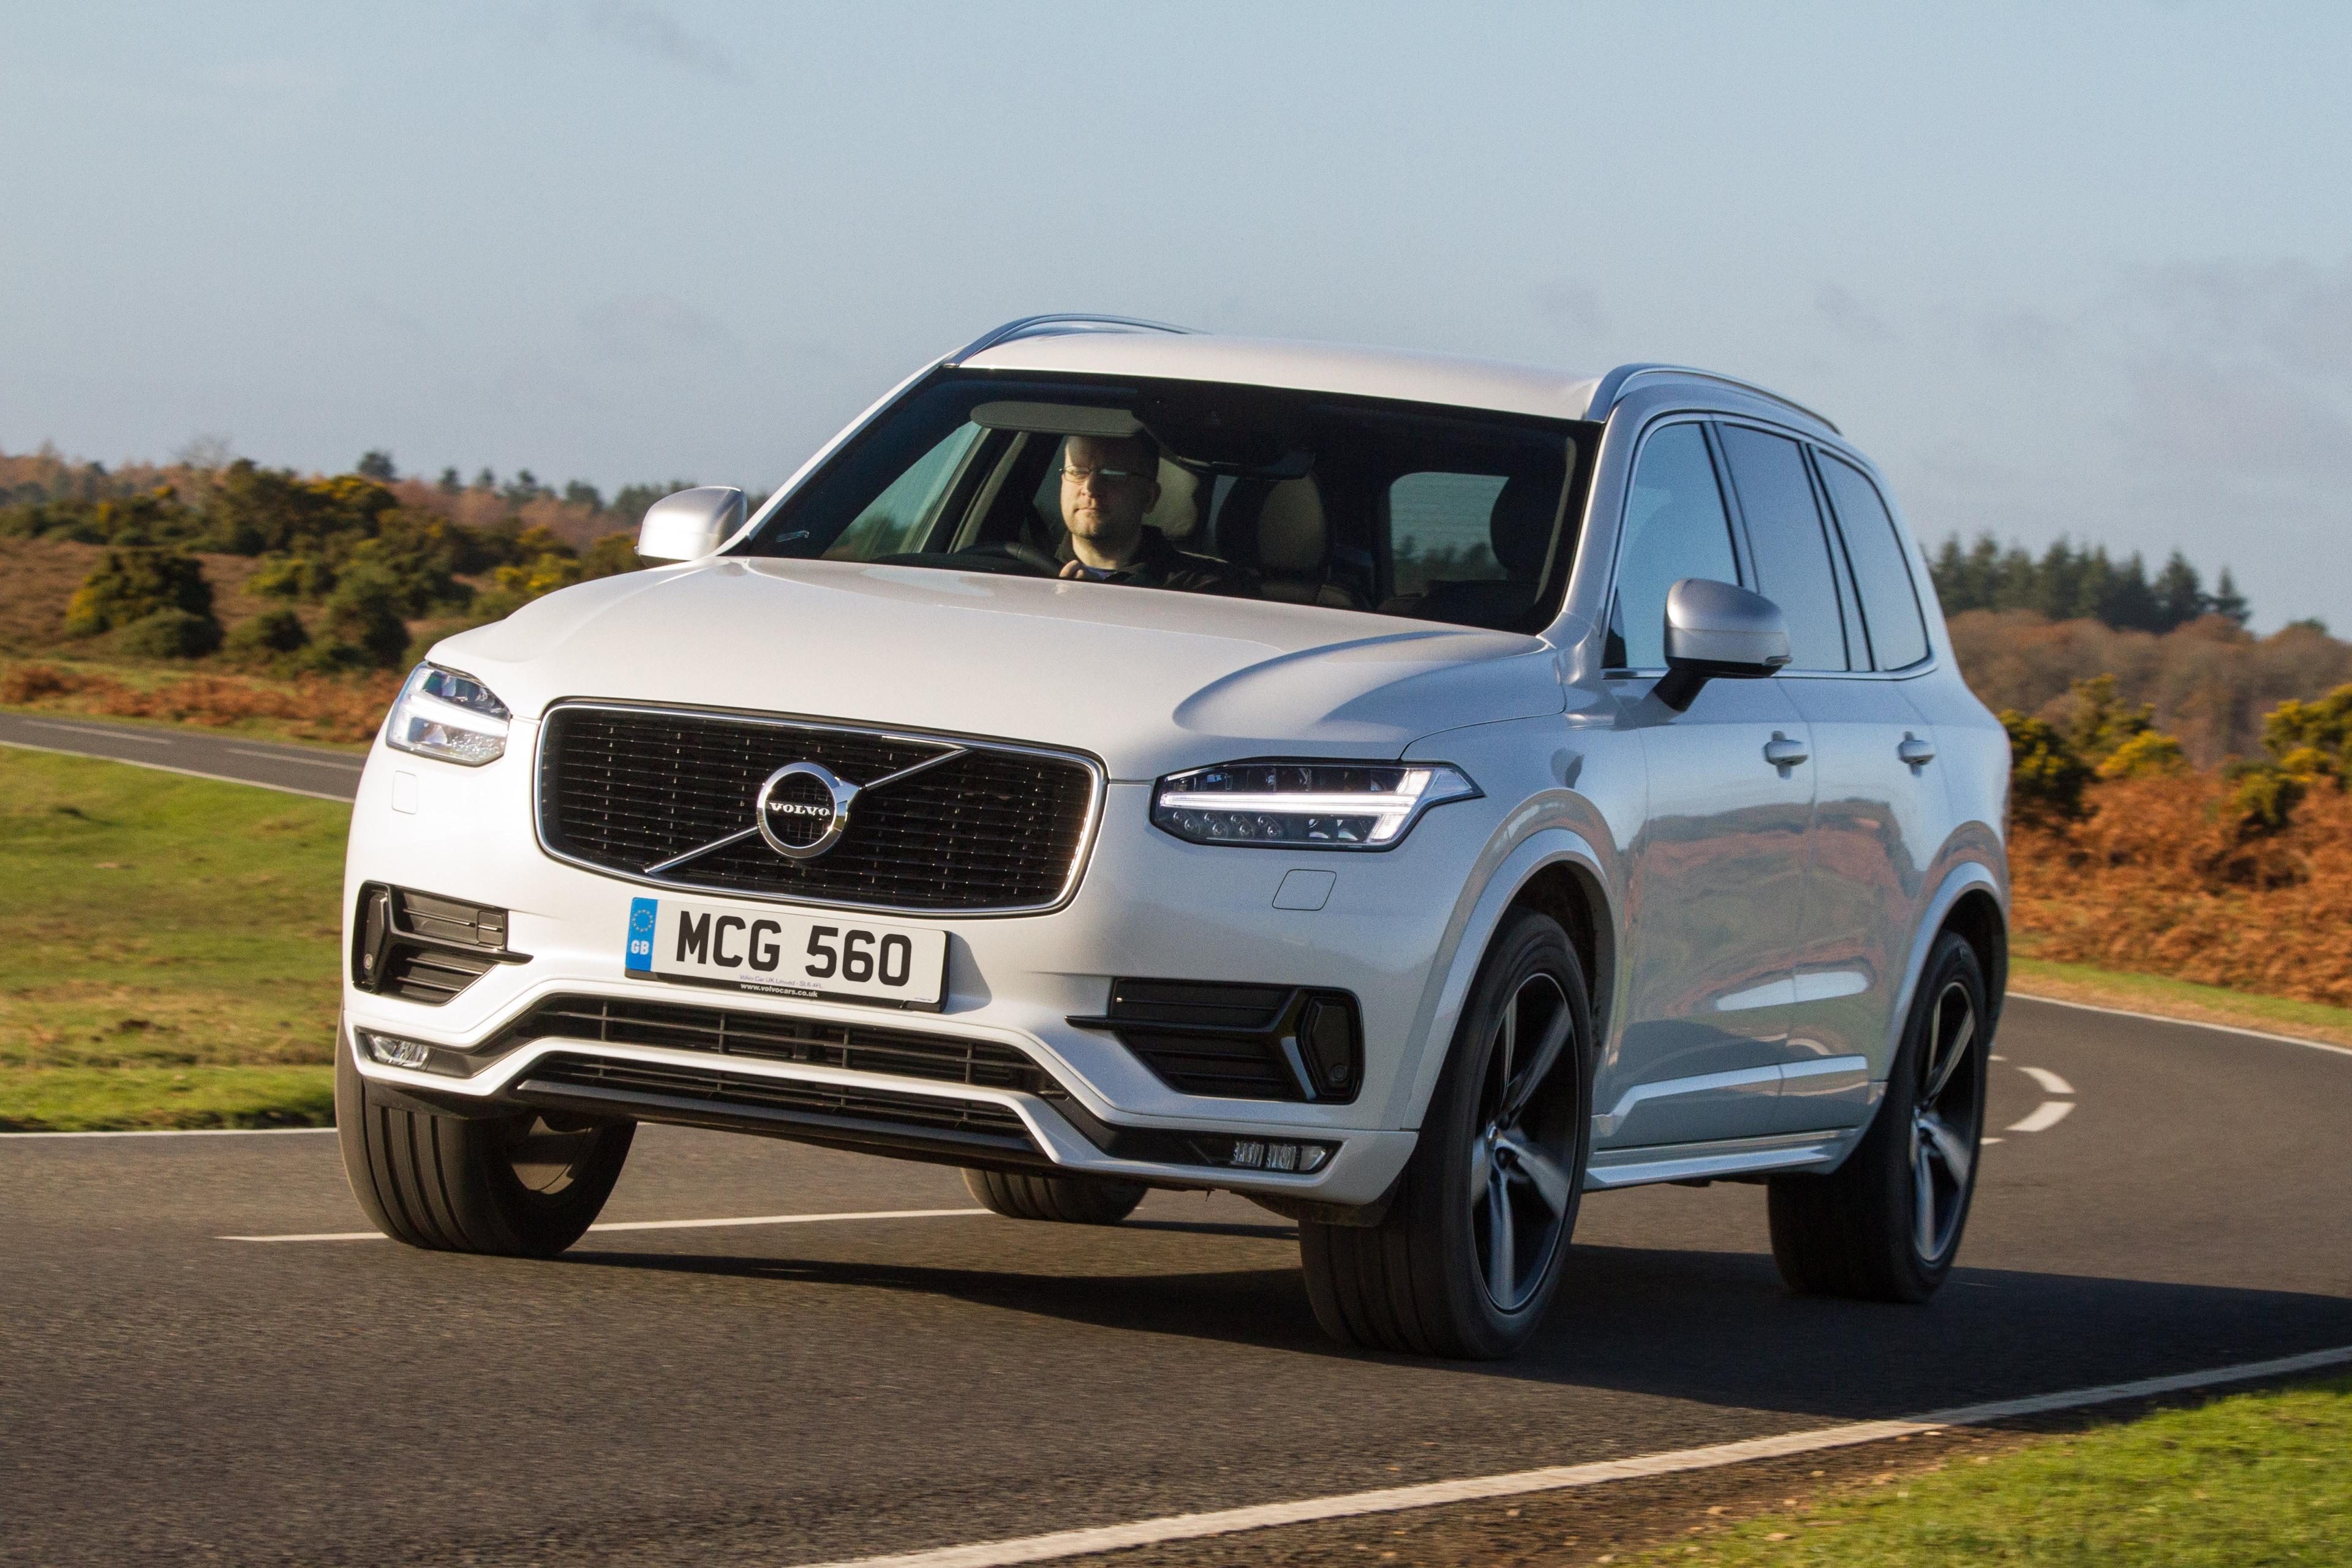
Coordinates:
[1109,484]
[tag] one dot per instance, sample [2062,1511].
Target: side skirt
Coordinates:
[1731,1158]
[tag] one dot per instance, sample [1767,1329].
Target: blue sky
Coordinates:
[2080,270]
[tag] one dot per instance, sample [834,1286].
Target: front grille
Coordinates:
[821,1112]
[765,1037]
[993,830]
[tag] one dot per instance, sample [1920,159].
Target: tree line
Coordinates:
[350,559]
[2065,583]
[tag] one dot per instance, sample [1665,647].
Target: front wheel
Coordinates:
[1472,1247]
[1072,1200]
[1886,1225]
[527,1185]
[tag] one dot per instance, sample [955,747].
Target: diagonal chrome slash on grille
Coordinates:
[950,755]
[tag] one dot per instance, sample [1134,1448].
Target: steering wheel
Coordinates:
[1027,554]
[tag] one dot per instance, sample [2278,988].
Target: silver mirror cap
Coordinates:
[1715,632]
[1729,630]
[690,524]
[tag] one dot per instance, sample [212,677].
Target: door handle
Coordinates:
[1783,753]
[1916,751]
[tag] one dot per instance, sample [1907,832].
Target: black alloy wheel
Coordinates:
[1472,1246]
[1886,1225]
[1522,1200]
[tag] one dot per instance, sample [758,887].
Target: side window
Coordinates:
[1675,528]
[1438,528]
[1784,529]
[898,519]
[1890,601]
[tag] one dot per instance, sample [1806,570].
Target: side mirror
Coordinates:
[690,524]
[1718,632]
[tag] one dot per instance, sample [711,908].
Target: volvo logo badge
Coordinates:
[803,809]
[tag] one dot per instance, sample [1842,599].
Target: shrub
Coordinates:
[2314,739]
[364,612]
[2148,752]
[31,682]
[133,583]
[271,632]
[2262,797]
[2046,774]
[172,634]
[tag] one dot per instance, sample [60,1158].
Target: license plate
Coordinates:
[789,953]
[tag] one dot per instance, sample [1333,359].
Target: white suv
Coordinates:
[1410,792]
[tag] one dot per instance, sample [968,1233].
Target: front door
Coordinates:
[1716,888]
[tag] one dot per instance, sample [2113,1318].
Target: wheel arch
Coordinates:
[1970,901]
[1554,871]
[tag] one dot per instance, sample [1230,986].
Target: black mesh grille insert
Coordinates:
[812,1108]
[991,829]
[859,1047]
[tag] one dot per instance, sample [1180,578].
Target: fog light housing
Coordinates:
[390,1050]
[1280,1155]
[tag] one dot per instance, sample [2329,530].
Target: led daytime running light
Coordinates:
[441,713]
[1374,814]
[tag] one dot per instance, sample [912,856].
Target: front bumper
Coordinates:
[1148,905]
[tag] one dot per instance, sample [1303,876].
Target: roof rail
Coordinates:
[1055,326]
[1612,387]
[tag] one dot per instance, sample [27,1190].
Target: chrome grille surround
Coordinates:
[883,742]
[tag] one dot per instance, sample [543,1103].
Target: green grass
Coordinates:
[2179,999]
[2254,1479]
[168,948]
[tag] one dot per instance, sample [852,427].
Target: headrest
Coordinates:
[1276,527]
[1520,524]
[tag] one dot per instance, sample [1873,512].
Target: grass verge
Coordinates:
[2255,1478]
[2180,999]
[168,948]
[113,1099]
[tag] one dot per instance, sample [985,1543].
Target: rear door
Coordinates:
[1862,878]
[1717,872]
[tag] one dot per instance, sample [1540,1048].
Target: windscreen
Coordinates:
[1244,492]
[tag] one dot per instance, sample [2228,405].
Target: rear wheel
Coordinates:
[1072,1200]
[526,1186]
[1886,1225]
[1472,1247]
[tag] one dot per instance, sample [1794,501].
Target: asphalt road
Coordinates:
[300,769]
[797,1393]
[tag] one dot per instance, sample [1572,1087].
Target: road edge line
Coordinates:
[656,1224]
[2328,1046]
[183,773]
[1397,1499]
[173,1132]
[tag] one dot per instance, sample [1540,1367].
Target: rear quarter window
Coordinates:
[1882,569]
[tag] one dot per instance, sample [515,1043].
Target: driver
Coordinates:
[1109,484]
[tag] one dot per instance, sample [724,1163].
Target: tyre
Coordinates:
[525,1185]
[1472,1247]
[1886,1225]
[1072,1200]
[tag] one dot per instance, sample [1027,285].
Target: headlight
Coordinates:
[441,713]
[1304,806]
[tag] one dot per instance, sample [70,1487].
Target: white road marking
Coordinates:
[1393,1499]
[2044,1116]
[177,1131]
[184,773]
[306,762]
[2186,1023]
[111,734]
[1983,1141]
[2049,1081]
[658,1224]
